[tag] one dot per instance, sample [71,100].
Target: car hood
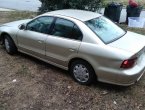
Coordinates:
[131,42]
[15,23]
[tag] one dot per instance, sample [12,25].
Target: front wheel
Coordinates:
[9,45]
[82,72]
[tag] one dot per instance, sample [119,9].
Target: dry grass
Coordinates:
[137,30]
[15,15]
[29,84]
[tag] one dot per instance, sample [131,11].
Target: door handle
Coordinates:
[72,50]
[40,41]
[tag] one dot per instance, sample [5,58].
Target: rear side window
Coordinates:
[77,34]
[66,29]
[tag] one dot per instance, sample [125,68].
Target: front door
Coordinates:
[32,39]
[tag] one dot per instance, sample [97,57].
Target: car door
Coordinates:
[32,39]
[63,42]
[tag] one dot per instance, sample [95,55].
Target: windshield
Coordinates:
[105,29]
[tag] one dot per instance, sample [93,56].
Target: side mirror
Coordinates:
[22,27]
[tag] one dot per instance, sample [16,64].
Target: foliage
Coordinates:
[50,5]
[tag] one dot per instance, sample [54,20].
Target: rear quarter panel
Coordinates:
[102,56]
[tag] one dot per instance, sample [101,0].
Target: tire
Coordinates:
[82,72]
[1,41]
[9,45]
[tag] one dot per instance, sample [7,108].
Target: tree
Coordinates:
[50,5]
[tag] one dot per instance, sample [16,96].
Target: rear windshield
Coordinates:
[105,29]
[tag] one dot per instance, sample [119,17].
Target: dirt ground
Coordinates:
[29,84]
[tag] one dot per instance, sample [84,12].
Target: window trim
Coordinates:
[56,18]
[101,38]
[49,31]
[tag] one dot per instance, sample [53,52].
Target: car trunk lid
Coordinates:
[130,42]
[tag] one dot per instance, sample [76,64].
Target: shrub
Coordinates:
[50,5]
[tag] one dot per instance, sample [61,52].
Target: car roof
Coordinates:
[77,14]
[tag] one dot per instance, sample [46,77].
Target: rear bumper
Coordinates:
[122,77]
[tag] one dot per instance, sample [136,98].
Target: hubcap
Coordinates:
[7,46]
[81,73]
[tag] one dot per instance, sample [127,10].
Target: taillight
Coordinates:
[128,63]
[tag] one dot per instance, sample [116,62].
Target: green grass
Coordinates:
[23,71]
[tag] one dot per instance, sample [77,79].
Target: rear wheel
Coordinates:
[9,45]
[82,72]
[1,41]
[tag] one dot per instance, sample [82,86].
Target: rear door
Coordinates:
[63,42]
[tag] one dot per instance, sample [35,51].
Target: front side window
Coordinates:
[41,24]
[66,29]
[105,29]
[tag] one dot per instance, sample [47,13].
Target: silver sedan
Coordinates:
[87,44]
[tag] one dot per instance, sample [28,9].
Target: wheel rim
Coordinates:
[81,73]
[7,46]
